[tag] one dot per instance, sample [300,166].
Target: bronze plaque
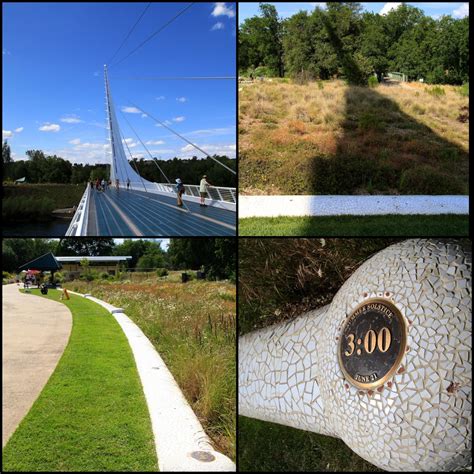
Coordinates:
[372,343]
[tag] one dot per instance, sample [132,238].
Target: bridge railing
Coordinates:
[78,225]
[216,193]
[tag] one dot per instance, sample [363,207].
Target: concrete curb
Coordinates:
[274,206]
[180,441]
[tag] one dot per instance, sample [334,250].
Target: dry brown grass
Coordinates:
[285,127]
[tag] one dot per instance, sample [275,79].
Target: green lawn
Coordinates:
[293,450]
[443,225]
[92,414]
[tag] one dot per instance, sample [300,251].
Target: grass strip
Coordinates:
[92,414]
[443,225]
[293,450]
[193,328]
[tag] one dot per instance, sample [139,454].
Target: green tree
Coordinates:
[86,246]
[136,248]
[151,260]
[19,251]
[217,255]
[260,42]
[6,153]
[9,258]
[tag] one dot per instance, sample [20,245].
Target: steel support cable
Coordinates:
[136,168]
[148,151]
[171,78]
[184,138]
[129,33]
[155,33]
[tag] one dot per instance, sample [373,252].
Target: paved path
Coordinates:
[35,333]
[127,213]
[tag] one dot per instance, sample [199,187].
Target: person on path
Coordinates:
[180,191]
[203,187]
[128,184]
[117,184]
[103,184]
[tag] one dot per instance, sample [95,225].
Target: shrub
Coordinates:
[464,90]
[104,276]
[373,81]
[320,85]
[436,91]
[31,208]
[161,272]
[424,179]
[59,277]
[263,71]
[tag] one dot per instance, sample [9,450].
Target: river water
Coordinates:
[54,228]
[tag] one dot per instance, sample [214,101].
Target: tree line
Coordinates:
[217,255]
[344,41]
[41,168]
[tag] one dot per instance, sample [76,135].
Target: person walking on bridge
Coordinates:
[180,191]
[128,184]
[117,184]
[203,188]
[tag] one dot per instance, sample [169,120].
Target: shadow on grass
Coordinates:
[382,150]
[291,450]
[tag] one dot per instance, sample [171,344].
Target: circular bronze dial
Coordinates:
[372,343]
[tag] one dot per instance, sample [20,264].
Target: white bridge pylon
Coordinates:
[120,167]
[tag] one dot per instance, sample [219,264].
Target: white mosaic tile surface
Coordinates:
[274,206]
[421,419]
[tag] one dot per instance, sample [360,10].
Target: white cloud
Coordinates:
[50,127]
[155,142]
[19,129]
[212,132]
[71,119]
[220,8]
[181,99]
[131,110]
[179,119]
[218,26]
[213,149]
[462,11]
[166,122]
[76,141]
[90,146]
[161,97]
[389,6]
[144,115]
[7,134]
[130,142]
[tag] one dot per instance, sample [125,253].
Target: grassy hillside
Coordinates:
[37,201]
[192,326]
[327,137]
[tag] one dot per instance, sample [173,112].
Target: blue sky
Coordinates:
[286,9]
[53,87]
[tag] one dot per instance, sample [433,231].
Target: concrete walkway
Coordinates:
[35,333]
